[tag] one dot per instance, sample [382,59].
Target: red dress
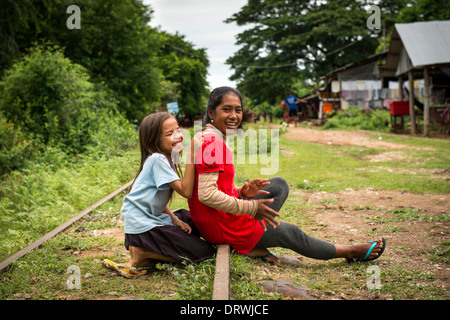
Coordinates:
[241,232]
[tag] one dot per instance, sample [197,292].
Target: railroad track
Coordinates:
[221,278]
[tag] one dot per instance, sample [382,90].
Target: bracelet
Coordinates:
[241,195]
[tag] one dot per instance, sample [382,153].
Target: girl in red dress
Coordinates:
[245,218]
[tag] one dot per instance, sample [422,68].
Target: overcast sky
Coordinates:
[201,21]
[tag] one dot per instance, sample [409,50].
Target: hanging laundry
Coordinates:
[345,85]
[335,86]
[360,85]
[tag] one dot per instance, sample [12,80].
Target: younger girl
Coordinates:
[152,230]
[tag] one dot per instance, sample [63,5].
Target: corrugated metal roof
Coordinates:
[426,43]
[354,65]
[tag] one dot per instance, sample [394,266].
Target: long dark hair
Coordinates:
[150,132]
[215,99]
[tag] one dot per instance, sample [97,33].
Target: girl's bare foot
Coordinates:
[265,254]
[140,255]
[359,251]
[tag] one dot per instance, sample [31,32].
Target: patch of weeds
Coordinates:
[379,218]
[100,219]
[442,253]
[394,229]
[244,280]
[68,242]
[412,214]
[403,214]
[329,201]
[406,214]
[407,284]
[194,281]
[358,152]
[307,185]
[366,207]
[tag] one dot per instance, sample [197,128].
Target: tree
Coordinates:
[16,17]
[115,44]
[297,40]
[186,67]
[52,100]
[118,47]
[425,10]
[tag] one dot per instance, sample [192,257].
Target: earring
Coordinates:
[212,121]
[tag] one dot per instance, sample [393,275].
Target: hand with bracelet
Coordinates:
[177,222]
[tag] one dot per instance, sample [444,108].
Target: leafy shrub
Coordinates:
[15,148]
[51,99]
[60,113]
[359,118]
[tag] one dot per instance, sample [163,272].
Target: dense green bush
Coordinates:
[15,148]
[359,118]
[51,98]
[54,113]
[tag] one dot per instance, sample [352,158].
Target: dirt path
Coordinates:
[408,221]
[343,138]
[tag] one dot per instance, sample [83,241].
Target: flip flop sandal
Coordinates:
[370,251]
[123,270]
[264,258]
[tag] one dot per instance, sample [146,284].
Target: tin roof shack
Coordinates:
[421,51]
[356,84]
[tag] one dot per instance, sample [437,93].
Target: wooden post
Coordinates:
[412,117]
[400,87]
[221,289]
[426,104]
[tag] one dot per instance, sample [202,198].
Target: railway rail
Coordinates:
[221,278]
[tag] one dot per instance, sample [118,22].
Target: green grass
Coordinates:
[334,168]
[35,201]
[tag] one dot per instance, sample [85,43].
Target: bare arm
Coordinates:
[177,222]
[185,187]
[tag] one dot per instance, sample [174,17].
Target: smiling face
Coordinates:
[228,114]
[171,137]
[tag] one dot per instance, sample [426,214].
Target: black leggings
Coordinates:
[287,235]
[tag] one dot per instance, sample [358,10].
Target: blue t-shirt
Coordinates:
[291,102]
[142,207]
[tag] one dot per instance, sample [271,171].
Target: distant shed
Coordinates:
[421,50]
[356,84]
